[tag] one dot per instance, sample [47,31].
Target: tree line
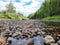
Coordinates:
[49,8]
[10,13]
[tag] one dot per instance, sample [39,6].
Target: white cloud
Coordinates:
[25,9]
[25,1]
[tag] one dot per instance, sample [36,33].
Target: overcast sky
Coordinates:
[23,6]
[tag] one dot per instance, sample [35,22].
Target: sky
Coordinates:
[25,7]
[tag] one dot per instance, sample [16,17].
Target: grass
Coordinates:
[12,16]
[52,18]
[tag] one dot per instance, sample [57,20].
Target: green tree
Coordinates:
[31,16]
[10,8]
[48,8]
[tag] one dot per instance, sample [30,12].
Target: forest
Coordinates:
[50,10]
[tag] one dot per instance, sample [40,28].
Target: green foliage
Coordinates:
[10,8]
[31,16]
[10,13]
[49,8]
[12,16]
[52,18]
